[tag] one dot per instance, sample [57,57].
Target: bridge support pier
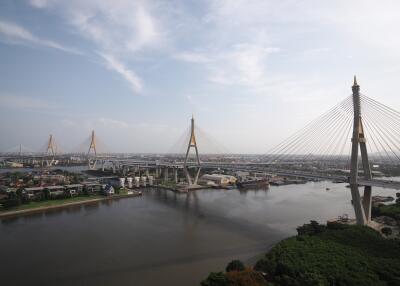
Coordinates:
[166,174]
[176,175]
[367,203]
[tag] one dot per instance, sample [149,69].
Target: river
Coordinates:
[161,238]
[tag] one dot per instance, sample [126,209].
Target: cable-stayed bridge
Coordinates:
[344,144]
[348,143]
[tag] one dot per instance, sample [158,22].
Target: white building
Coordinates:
[217,179]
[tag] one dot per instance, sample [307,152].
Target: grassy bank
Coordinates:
[49,203]
[392,210]
[325,255]
[33,207]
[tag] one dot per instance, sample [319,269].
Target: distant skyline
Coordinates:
[252,72]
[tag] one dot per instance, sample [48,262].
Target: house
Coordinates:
[109,190]
[92,187]
[73,189]
[55,192]
[116,182]
[33,194]
[58,179]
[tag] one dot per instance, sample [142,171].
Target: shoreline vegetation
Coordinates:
[42,206]
[332,254]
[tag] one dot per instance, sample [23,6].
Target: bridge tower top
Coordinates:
[92,145]
[356,98]
[51,147]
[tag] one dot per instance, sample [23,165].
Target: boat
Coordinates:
[253,183]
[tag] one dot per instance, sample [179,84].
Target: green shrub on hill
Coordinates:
[339,255]
[335,254]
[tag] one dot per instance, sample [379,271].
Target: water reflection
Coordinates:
[53,212]
[33,216]
[10,220]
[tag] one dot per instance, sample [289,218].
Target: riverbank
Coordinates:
[180,188]
[42,206]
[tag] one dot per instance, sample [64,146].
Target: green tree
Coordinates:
[310,229]
[235,265]
[215,279]
[246,277]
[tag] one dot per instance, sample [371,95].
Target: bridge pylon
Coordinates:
[51,150]
[92,160]
[192,144]
[362,207]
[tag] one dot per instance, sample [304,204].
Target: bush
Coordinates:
[386,231]
[333,255]
[11,202]
[215,279]
[235,265]
[392,210]
[246,277]
[310,229]
[348,255]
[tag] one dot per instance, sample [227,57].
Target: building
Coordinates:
[11,164]
[91,187]
[33,194]
[217,179]
[73,189]
[109,190]
[58,179]
[55,192]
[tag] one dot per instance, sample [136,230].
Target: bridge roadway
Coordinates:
[264,167]
[259,167]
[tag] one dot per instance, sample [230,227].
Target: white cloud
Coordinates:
[193,57]
[121,30]
[39,3]
[17,34]
[243,64]
[113,64]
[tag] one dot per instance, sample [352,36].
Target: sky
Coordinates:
[251,72]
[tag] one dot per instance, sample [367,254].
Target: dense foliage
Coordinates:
[338,255]
[335,254]
[235,265]
[243,277]
[392,210]
[215,279]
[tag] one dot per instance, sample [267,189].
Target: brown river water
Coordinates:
[161,238]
